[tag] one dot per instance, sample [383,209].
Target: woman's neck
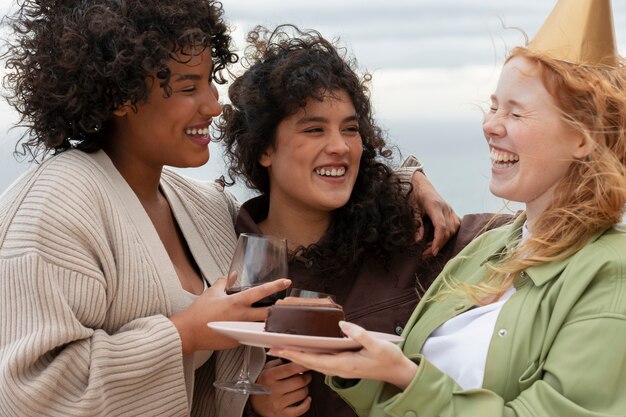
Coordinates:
[143,179]
[300,227]
[536,207]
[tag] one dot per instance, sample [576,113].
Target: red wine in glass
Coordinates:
[258,259]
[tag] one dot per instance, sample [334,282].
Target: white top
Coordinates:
[459,347]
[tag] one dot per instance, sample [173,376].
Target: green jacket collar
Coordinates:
[538,274]
[513,234]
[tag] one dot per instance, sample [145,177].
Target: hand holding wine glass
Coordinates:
[214,305]
[257,260]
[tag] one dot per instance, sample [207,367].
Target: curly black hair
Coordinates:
[286,67]
[74,62]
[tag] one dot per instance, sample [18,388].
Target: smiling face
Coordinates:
[314,161]
[170,130]
[531,147]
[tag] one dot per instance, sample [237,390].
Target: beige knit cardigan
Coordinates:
[86,287]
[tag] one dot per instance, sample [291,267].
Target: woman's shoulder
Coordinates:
[488,238]
[191,186]
[473,227]
[69,178]
[596,276]
[62,200]
[615,234]
[200,193]
[607,248]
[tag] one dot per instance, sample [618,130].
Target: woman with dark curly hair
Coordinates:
[105,257]
[300,131]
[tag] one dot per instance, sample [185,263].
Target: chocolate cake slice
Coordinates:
[305,316]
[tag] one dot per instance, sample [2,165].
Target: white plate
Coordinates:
[249,333]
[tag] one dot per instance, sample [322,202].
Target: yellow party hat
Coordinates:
[580,32]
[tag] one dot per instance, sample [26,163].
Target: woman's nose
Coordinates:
[211,105]
[493,126]
[337,143]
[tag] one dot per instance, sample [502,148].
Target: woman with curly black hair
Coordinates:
[300,131]
[105,257]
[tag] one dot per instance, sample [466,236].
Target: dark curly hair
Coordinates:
[287,66]
[75,61]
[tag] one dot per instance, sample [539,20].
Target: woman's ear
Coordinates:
[266,158]
[122,110]
[584,147]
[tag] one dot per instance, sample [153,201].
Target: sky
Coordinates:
[434,64]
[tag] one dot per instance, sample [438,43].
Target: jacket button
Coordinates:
[522,274]
[399,330]
[502,332]
[410,414]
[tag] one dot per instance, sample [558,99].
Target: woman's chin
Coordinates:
[332,204]
[500,193]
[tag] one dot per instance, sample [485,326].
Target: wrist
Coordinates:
[406,371]
[421,189]
[186,336]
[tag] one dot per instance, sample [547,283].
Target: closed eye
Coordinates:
[189,89]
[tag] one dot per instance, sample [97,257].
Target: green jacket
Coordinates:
[558,348]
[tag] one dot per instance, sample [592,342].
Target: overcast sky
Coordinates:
[431,59]
[428,57]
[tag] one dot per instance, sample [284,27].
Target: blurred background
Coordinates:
[434,64]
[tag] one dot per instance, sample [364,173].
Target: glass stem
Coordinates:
[244,374]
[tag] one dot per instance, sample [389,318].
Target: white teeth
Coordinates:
[331,172]
[504,164]
[501,158]
[195,131]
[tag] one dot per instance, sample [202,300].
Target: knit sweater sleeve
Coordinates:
[73,336]
[54,364]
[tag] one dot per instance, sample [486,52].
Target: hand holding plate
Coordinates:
[377,359]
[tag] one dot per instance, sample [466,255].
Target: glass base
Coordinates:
[243,387]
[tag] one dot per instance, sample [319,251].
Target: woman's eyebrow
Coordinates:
[185,77]
[321,119]
[311,119]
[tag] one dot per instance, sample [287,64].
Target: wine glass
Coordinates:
[258,259]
